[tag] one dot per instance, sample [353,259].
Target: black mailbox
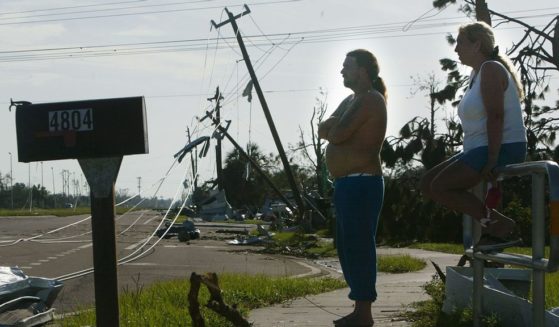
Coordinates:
[81,129]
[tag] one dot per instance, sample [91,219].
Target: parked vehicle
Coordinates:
[184,231]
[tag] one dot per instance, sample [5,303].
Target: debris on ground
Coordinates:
[26,301]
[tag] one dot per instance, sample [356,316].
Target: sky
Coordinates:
[168,52]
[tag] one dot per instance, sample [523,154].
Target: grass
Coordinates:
[397,264]
[166,303]
[312,246]
[429,314]
[60,212]
[439,247]
[551,290]
[454,248]
[551,279]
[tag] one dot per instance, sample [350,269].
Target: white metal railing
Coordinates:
[537,262]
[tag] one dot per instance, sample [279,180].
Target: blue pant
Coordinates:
[358,201]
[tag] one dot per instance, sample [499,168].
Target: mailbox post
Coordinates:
[97,133]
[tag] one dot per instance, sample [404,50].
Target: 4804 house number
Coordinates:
[71,120]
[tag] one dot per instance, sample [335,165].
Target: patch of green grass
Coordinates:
[429,313]
[323,249]
[309,245]
[397,264]
[166,303]
[287,237]
[439,247]
[551,290]
[323,233]
[459,248]
[62,212]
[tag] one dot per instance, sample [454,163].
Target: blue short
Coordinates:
[476,158]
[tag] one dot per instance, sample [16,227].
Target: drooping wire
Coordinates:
[135,255]
[39,236]
[423,16]
[283,57]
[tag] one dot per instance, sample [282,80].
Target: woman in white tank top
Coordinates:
[494,135]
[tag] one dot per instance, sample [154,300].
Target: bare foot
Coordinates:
[353,320]
[347,317]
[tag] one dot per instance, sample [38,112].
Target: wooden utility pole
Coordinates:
[193,161]
[285,161]
[218,158]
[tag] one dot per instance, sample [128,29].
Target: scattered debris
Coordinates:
[184,231]
[26,301]
[215,207]
[263,236]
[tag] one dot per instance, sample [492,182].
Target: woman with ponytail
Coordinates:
[494,135]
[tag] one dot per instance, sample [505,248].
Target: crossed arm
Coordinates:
[347,119]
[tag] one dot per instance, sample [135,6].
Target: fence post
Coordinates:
[478,264]
[538,249]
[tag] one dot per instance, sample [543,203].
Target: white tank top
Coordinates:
[473,115]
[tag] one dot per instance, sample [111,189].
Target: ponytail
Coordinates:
[378,84]
[505,61]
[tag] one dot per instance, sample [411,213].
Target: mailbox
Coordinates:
[81,129]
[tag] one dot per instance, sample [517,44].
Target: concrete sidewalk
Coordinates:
[395,292]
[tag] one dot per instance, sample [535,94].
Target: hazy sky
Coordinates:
[166,51]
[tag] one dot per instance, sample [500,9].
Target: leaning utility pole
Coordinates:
[193,161]
[285,161]
[218,157]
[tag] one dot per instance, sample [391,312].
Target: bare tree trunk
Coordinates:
[482,12]
[215,303]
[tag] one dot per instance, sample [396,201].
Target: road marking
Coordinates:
[151,219]
[151,264]
[141,264]
[133,246]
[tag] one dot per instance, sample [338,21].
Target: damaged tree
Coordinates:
[317,158]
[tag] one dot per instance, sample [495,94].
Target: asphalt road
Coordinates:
[53,247]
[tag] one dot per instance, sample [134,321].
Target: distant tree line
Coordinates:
[23,197]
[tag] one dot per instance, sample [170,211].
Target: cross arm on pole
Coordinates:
[246,12]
